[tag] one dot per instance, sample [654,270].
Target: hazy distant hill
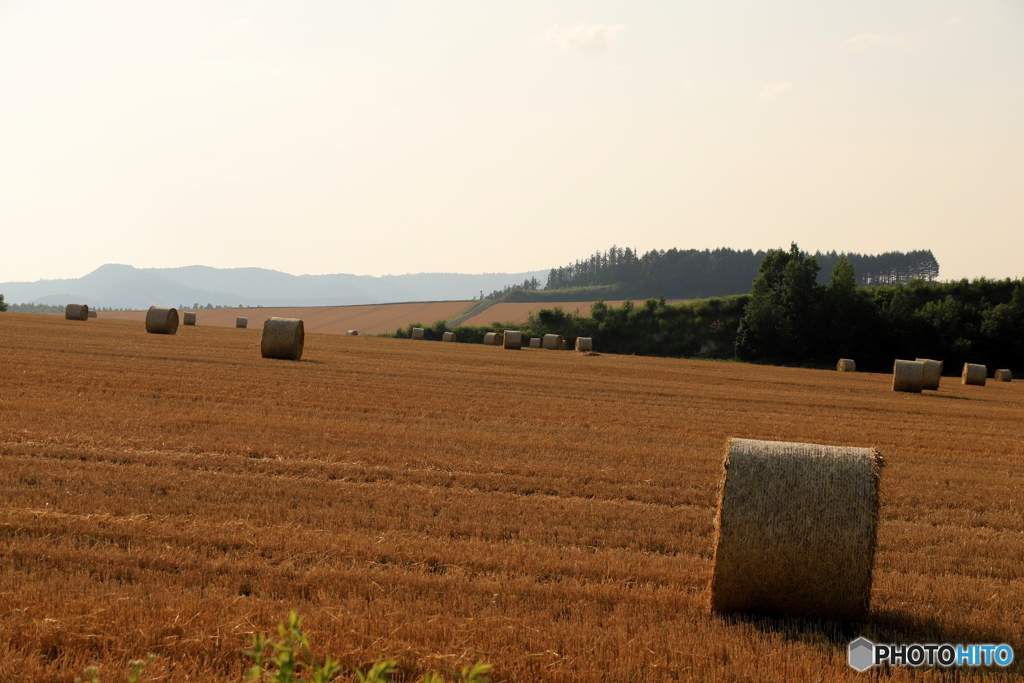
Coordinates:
[120,286]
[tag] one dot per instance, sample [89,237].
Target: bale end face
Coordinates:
[76,312]
[161,320]
[908,375]
[1003,376]
[796,530]
[283,338]
[974,374]
[846,365]
[417,333]
[512,339]
[189,318]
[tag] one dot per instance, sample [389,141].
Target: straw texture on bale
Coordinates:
[846,365]
[512,339]
[353,333]
[795,530]
[449,337]
[161,320]
[76,312]
[283,338]
[491,338]
[417,333]
[92,314]
[551,341]
[932,374]
[534,342]
[1003,376]
[584,344]
[189,318]
[908,375]
[974,374]
[241,322]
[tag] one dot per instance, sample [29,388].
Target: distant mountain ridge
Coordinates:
[121,286]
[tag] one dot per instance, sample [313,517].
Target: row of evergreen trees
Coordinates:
[691,273]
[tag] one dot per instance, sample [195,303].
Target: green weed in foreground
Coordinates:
[289,659]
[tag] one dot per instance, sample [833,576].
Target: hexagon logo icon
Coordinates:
[862,654]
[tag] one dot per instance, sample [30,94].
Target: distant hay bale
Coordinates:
[563,345]
[241,323]
[908,375]
[161,320]
[512,339]
[932,374]
[417,333]
[92,313]
[1003,376]
[552,342]
[190,318]
[76,312]
[283,338]
[491,338]
[534,342]
[796,529]
[846,365]
[974,374]
[584,344]
[449,337]
[353,333]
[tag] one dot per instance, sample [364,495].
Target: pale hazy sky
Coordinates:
[392,137]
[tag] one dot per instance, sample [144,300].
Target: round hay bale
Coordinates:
[974,374]
[846,365]
[449,337]
[353,333]
[283,338]
[534,342]
[563,345]
[796,529]
[161,320]
[584,344]
[932,374]
[241,323]
[1003,376]
[417,333]
[189,318]
[76,312]
[491,338]
[512,339]
[552,342]
[908,375]
[92,313]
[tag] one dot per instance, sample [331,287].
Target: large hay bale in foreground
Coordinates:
[161,320]
[795,531]
[1003,376]
[974,374]
[283,338]
[241,323]
[551,341]
[353,333]
[584,344]
[491,339]
[512,339]
[846,365]
[76,312]
[908,375]
[189,318]
[932,374]
[534,342]
[417,333]
[449,337]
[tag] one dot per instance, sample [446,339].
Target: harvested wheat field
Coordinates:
[441,503]
[368,319]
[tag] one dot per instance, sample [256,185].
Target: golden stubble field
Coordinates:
[548,512]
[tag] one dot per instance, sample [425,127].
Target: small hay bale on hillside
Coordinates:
[512,339]
[534,342]
[932,374]
[449,337]
[1003,376]
[161,320]
[908,375]
[92,313]
[189,318]
[552,342]
[353,333]
[846,365]
[417,333]
[974,374]
[241,323]
[584,344]
[283,338]
[796,529]
[490,338]
[76,312]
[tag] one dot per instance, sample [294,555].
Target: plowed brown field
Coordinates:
[368,319]
[549,512]
[518,312]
